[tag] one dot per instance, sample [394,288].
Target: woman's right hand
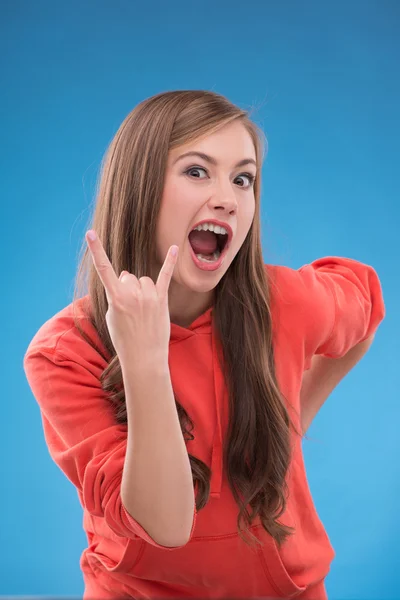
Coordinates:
[138,315]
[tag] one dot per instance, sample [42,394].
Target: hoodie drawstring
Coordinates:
[217,450]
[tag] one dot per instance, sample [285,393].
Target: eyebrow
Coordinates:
[212,161]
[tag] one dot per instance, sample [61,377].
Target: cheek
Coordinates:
[179,205]
[245,219]
[183,196]
[175,216]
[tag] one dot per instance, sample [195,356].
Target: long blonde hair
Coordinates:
[257,449]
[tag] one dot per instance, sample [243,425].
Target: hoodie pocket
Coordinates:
[219,566]
[114,554]
[273,566]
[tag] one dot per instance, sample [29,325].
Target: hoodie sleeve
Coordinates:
[81,432]
[342,305]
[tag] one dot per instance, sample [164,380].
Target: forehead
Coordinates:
[230,144]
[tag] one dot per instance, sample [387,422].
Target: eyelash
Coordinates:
[249,176]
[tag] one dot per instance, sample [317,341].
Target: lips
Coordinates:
[208,266]
[211,266]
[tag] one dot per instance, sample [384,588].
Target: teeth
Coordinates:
[212,227]
[215,257]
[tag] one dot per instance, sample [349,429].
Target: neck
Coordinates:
[185,306]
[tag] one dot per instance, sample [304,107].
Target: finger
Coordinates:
[102,263]
[165,275]
[127,278]
[148,288]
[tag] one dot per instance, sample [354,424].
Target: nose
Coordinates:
[224,199]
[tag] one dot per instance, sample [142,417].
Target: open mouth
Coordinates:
[209,242]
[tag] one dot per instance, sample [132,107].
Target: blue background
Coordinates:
[324,79]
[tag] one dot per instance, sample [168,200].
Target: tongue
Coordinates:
[203,242]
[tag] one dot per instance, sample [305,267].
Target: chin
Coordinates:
[187,275]
[202,281]
[200,287]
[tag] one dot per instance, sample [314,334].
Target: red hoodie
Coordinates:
[326,308]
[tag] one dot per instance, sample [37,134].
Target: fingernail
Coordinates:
[174,250]
[91,235]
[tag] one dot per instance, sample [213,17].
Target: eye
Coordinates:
[243,177]
[195,172]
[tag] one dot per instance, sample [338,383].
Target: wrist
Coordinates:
[144,364]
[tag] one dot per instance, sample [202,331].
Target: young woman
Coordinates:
[175,392]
